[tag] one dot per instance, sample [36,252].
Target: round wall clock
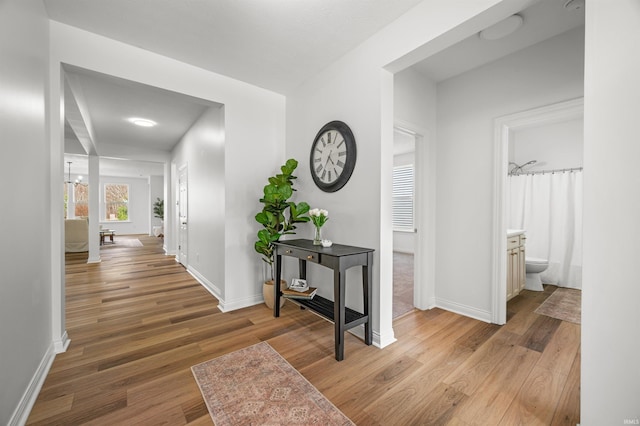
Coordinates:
[333,156]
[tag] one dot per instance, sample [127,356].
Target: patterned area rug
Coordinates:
[564,304]
[256,386]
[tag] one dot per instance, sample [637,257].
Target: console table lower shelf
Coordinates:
[339,258]
[325,308]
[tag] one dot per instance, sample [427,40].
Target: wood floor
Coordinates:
[138,322]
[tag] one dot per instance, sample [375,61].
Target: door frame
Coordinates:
[424,218]
[503,127]
[183,236]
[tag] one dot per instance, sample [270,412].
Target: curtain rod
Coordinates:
[541,172]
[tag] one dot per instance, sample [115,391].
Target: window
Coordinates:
[81,199]
[116,200]
[402,197]
[77,199]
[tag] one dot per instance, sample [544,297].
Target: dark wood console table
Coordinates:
[339,258]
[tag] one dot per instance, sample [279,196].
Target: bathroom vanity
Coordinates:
[516,267]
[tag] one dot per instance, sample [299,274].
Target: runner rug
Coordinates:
[256,386]
[563,304]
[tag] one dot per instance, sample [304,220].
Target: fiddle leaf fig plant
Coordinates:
[279,215]
[158,208]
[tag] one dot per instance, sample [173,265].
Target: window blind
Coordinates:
[402,198]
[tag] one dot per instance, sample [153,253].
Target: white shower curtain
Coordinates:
[549,208]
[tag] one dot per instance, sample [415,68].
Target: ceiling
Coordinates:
[542,20]
[105,104]
[275,44]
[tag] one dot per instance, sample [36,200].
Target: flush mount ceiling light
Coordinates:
[502,29]
[574,4]
[142,122]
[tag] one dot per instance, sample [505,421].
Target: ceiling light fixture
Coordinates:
[78,181]
[502,29]
[574,4]
[142,122]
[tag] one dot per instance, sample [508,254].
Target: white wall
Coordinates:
[545,73]
[26,347]
[610,309]
[554,145]
[138,210]
[253,138]
[357,90]
[201,149]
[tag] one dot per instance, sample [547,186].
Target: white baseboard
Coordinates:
[60,346]
[383,340]
[208,285]
[378,340]
[232,305]
[22,411]
[467,311]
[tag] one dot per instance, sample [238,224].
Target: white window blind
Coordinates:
[403,184]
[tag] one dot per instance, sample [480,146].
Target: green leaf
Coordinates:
[289,166]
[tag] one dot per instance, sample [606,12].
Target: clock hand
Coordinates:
[328,158]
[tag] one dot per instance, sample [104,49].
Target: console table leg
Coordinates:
[366,286]
[338,312]
[276,285]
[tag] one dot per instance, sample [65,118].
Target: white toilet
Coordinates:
[534,267]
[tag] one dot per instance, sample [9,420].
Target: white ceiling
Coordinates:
[275,44]
[111,167]
[542,20]
[108,102]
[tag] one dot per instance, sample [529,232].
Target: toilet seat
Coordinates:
[535,261]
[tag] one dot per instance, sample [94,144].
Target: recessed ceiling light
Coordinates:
[503,28]
[142,122]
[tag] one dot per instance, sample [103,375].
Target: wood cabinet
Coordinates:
[516,265]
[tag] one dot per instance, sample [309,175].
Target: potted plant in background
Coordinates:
[158,211]
[278,217]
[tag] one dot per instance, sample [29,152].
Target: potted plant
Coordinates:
[158,208]
[278,217]
[158,211]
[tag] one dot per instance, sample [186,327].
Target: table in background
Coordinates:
[107,233]
[339,258]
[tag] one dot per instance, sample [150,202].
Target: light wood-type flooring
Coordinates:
[138,322]
[402,284]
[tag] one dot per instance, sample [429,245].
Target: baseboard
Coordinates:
[60,346]
[232,305]
[225,305]
[208,285]
[383,340]
[22,411]
[467,311]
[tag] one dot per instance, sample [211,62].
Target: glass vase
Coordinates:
[317,237]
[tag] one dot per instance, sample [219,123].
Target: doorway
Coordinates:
[504,129]
[403,219]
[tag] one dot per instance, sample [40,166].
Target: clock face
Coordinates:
[333,156]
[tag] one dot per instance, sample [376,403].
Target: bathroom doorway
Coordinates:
[404,220]
[555,160]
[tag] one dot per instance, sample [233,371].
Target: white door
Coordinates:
[182,216]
